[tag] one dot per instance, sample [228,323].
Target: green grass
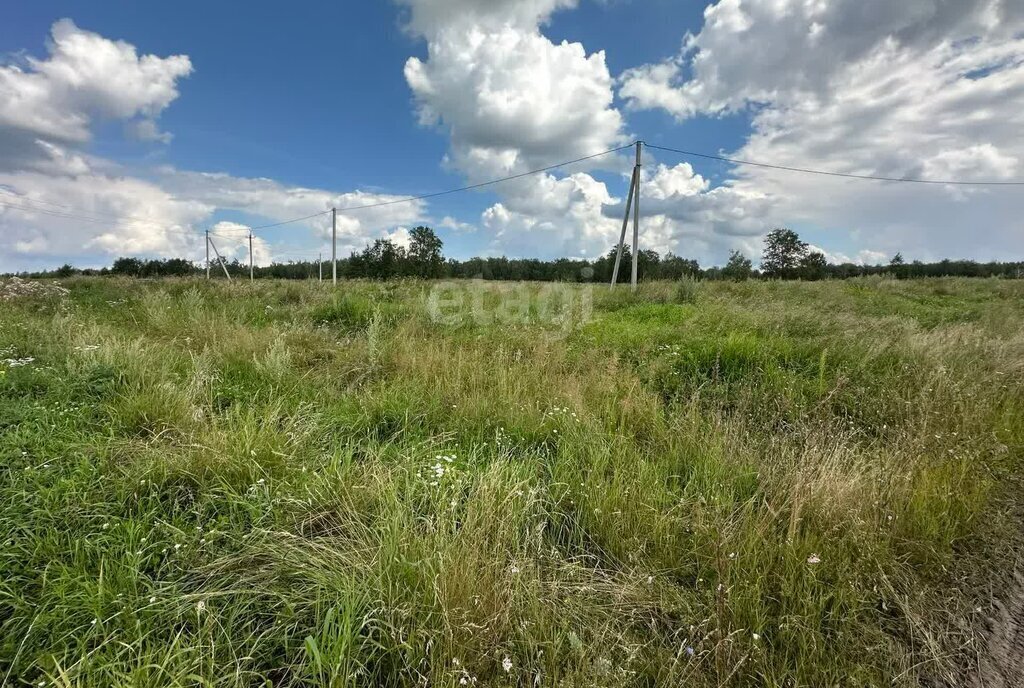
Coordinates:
[276,484]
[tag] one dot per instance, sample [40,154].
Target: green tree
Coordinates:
[783,253]
[813,266]
[738,268]
[897,260]
[425,258]
[383,260]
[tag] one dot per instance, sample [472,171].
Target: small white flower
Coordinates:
[506,664]
[755,636]
[814,559]
[514,569]
[201,606]
[152,600]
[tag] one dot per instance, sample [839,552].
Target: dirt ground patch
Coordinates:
[1002,661]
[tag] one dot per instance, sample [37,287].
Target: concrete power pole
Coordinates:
[207,254]
[251,278]
[622,234]
[320,265]
[636,215]
[633,199]
[334,246]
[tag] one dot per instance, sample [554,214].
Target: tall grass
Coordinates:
[708,484]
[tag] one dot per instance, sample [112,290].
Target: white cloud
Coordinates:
[278,202]
[147,130]
[68,215]
[918,89]
[428,17]
[511,100]
[85,77]
[548,216]
[232,240]
[58,201]
[448,222]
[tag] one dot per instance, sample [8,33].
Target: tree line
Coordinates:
[785,256]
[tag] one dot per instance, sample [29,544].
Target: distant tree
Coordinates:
[648,263]
[677,267]
[383,260]
[813,265]
[897,260]
[127,266]
[783,253]
[738,267]
[425,258]
[66,270]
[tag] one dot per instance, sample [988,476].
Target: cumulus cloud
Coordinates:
[431,16]
[85,78]
[928,89]
[512,100]
[93,213]
[57,200]
[278,202]
[232,240]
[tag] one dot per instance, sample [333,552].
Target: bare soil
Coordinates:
[1002,659]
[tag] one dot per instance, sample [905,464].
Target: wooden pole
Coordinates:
[636,215]
[625,223]
[334,246]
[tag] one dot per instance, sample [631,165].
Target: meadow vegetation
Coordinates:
[707,484]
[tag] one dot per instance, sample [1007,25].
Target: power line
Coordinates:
[69,212]
[288,222]
[832,174]
[487,183]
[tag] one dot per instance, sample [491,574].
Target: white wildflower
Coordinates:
[506,664]
[814,559]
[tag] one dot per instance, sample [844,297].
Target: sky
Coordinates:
[131,128]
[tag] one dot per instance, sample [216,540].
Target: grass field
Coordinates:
[764,483]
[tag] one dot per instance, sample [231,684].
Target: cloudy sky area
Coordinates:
[130,130]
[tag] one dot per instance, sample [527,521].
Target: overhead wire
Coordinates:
[491,182]
[71,212]
[804,170]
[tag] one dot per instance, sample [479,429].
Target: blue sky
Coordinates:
[320,99]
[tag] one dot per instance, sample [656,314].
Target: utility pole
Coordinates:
[207,254]
[636,215]
[334,246]
[633,199]
[320,264]
[622,234]
[221,259]
[251,278]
